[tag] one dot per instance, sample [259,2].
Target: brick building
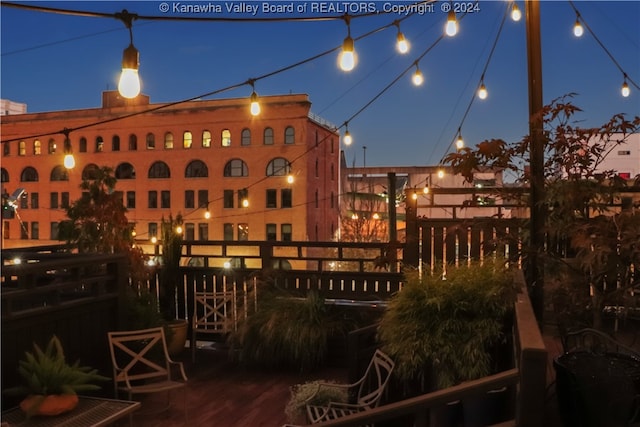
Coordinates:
[190,158]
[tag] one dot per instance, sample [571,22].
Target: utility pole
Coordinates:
[537,212]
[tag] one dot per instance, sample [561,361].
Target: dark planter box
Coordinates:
[597,390]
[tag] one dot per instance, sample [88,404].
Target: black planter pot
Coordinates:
[597,390]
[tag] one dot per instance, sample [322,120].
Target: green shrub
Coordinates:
[312,393]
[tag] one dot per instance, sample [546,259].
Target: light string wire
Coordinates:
[473,97]
[609,54]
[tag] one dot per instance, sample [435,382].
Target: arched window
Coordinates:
[196,169]
[29,174]
[168,141]
[206,139]
[115,143]
[22,148]
[278,167]
[99,144]
[91,171]
[187,139]
[268,136]
[59,173]
[125,171]
[289,135]
[52,146]
[246,137]
[133,142]
[159,169]
[226,138]
[5,175]
[151,141]
[236,167]
[82,145]
[37,147]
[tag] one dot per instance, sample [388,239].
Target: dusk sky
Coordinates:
[62,62]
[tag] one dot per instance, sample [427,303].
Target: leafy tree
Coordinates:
[584,219]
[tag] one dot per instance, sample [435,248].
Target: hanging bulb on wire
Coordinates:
[347,140]
[129,83]
[625,91]
[482,91]
[69,161]
[347,58]
[417,77]
[290,179]
[401,42]
[255,105]
[578,31]
[451,28]
[515,12]
[459,142]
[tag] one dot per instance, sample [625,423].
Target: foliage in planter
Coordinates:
[447,326]
[47,373]
[582,220]
[170,277]
[312,393]
[287,332]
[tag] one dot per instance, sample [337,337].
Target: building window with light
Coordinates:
[133,142]
[268,136]
[22,148]
[227,197]
[226,138]
[245,137]
[196,169]
[82,145]
[227,231]
[168,141]
[153,199]
[99,144]
[272,198]
[165,199]
[151,141]
[187,139]
[289,135]
[243,231]
[115,143]
[286,198]
[286,232]
[206,139]
[159,169]
[271,232]
[37,148]
[131,199]
[236,168]
[203,231]
[52,146]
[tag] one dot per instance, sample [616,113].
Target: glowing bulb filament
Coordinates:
[578,31]
[482,92]
[348,140]
[402,44]
[515,12]
[347,56]
[459,143]
[255,105]
[129,83]
[625,91]
[451,28]
[417,78]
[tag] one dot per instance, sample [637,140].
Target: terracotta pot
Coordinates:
[54,404]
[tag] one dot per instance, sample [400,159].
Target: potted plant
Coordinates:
[50,383]
[441,328]
[312,393]
[169,281]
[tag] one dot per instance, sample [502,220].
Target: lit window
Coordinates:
[22,148]
[37,148]
[99,144]
[168,141]
[187,139]
[226,138]
[52,146]
[206,139]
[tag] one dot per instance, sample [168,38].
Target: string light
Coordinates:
[290,179]
[451,28]
[440,173]
[515,12]
[401,42]
[578,31]
[207,214]
[347,139]
[482,91]
[69,162]
[625,91]
[347,58]
[129,83]
[255,105]
[417,77]
[425,190]
[459,145]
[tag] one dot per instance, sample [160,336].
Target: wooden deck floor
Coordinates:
[222,394]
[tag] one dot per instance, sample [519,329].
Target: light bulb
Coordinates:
[414,196]
[129,84]
[578,31]
[290,179]
[425,190]
[347,138]
[515,12]
[154,240]
[347,57]
[402,45]
[417,78]
[459,143]
[69,162]
[440,174]
[207,215]
[452,25]
[245,203]
[255,105]
[482,92]
[625,91]
[179,229]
